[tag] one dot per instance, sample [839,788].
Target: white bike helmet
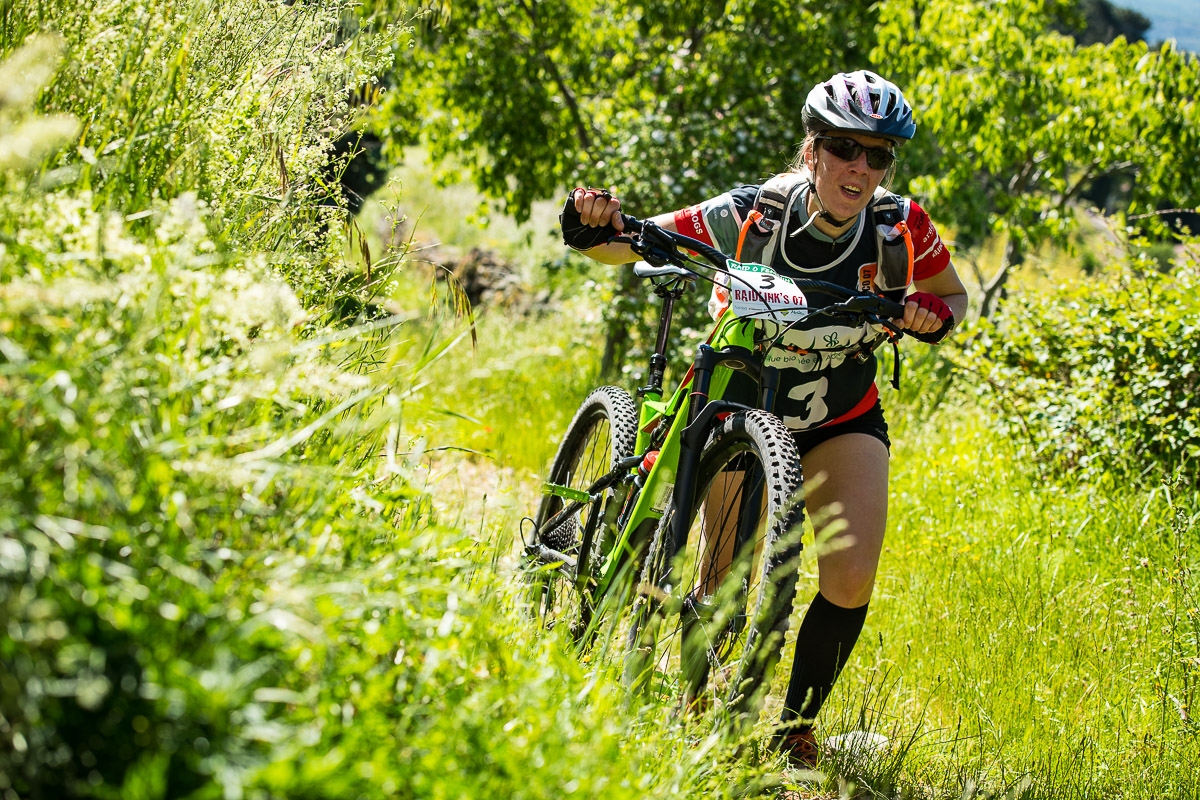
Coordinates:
[860,102]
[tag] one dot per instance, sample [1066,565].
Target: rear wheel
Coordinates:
[602,433]
[708,624]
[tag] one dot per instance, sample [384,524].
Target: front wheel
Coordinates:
[602,433]
[708,624]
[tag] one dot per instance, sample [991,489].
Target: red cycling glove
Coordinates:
[936,306]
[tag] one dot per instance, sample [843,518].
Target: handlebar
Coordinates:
[655,235]
[661,249]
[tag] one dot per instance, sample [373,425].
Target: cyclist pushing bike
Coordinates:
[829,217]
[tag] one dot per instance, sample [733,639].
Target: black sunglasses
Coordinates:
[848,150]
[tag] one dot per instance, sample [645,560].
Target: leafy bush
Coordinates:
[1101,374]
[167,439]
[239,101]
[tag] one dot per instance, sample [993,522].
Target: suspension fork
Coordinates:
[701,413]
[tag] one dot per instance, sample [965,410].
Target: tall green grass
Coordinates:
[223,570]
[1026,627]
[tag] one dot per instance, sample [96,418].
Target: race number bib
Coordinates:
[758,291]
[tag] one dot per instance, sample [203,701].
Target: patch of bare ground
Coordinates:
[481,497]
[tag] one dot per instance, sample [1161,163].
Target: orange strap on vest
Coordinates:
[751,218]
[902,226]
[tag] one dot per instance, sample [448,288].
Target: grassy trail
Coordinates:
[1028,638]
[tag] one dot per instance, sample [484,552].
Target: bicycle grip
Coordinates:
[891,309]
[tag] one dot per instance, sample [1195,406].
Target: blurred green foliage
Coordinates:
[1016,121]
[666,102]
[671,103]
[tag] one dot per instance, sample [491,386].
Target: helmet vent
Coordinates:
[859,102]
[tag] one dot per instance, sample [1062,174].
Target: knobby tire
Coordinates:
[603,431]
[702,635]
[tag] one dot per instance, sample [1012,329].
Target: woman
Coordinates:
[854,123]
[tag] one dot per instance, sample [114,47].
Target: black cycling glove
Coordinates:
[580,236]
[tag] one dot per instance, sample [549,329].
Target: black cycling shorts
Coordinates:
[743,390]
[871,423]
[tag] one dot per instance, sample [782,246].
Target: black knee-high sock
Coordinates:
[823,644]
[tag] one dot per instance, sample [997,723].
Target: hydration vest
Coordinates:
[763,232]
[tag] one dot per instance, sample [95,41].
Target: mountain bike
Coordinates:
[673,525]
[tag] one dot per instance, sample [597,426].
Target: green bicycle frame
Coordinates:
[730,347]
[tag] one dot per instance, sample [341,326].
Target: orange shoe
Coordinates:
[800,747]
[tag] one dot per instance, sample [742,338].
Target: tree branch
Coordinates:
[1087,176]
[581,128]
[1014,256]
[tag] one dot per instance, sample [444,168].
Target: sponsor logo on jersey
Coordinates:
[690,222]
[866,277]
[918,220]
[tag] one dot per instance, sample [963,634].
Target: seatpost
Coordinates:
[658,361]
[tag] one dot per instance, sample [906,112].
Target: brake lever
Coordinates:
[654,236]
[658,250]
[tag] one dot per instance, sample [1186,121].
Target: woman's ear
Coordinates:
[808,156]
